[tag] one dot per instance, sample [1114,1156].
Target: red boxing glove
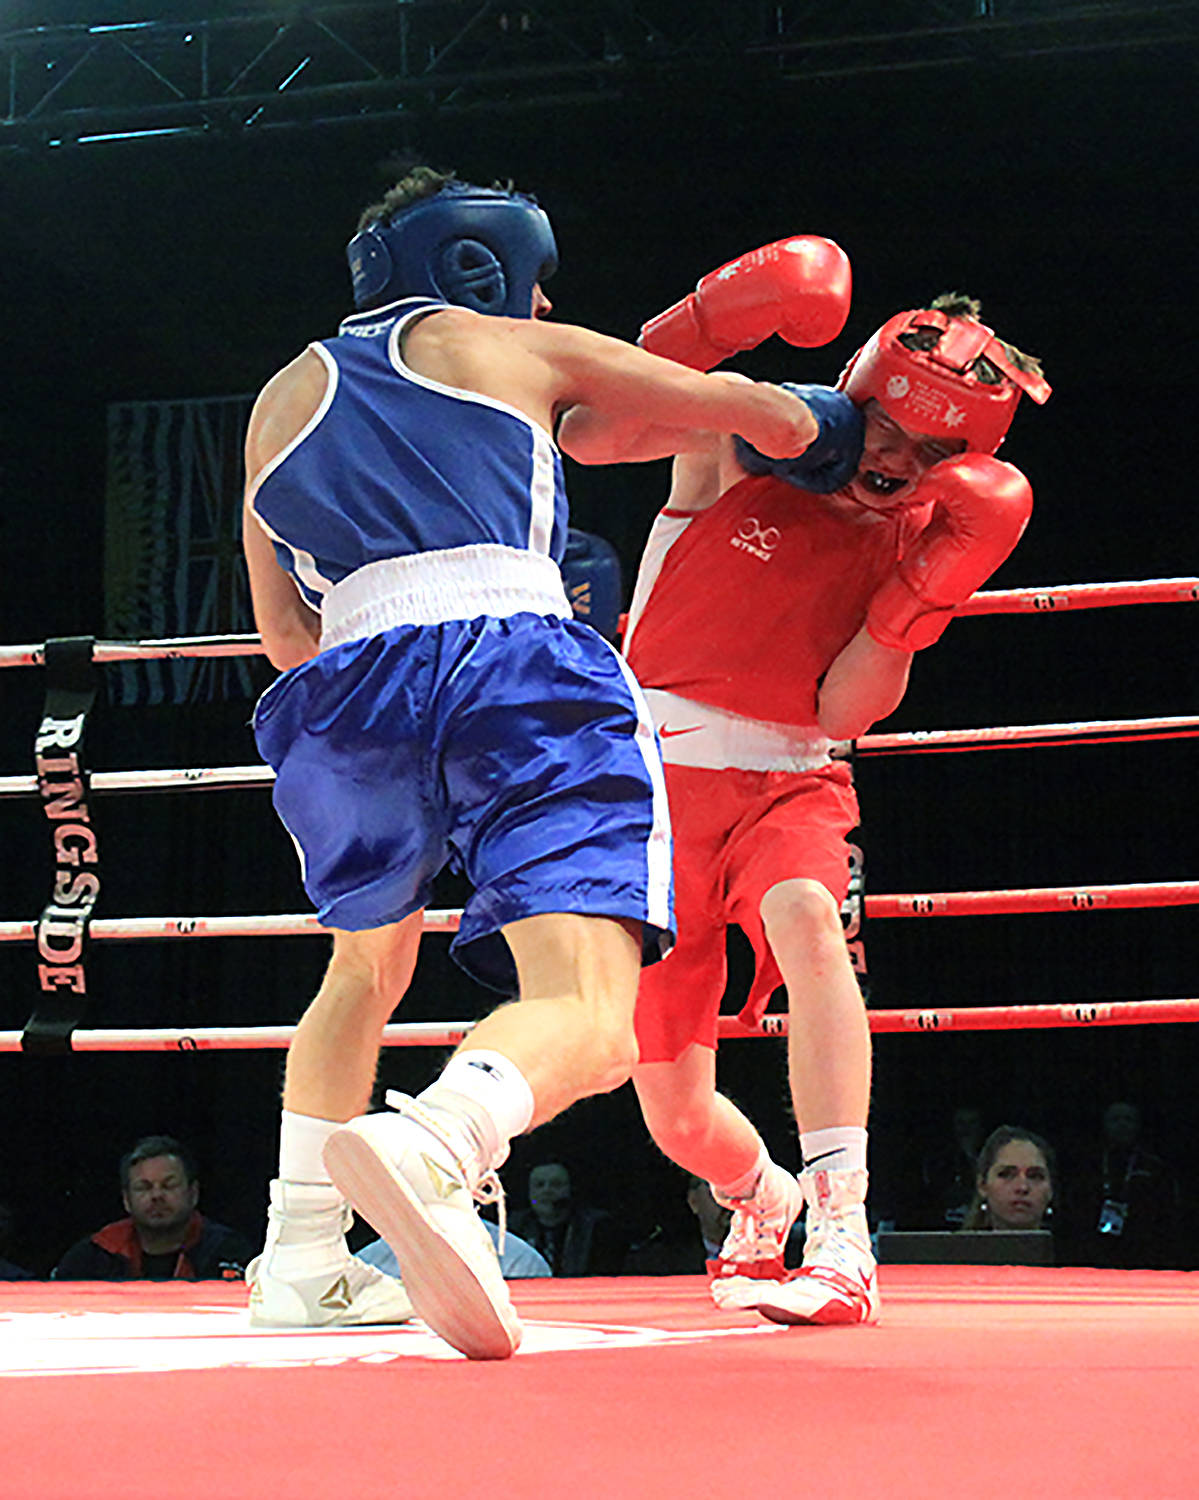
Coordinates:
[798,288]
[982,507]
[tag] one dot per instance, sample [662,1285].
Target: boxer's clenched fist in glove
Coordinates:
[798,288]
[982,506]
[832,458]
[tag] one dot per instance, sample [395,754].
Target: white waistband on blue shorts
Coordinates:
[429,588]
[696,734]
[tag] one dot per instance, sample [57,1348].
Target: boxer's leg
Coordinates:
[708,1135]
[306,1276]
[693,1124]
[829,1056]
[414,1174]
[332,1058]
[554,794]
[828,1046]
[571,1032]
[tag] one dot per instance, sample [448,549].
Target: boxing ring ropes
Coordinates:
[959,1348]
[66,800]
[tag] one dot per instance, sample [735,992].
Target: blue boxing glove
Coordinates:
[591,574]
[831,460]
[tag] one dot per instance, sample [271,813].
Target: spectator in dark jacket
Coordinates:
[1127,1204]
[165,1236]
[576,1238]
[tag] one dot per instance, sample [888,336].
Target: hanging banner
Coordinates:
[62,778]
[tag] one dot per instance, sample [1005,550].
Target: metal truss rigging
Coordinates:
[408,60]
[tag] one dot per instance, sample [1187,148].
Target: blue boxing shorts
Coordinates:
[518,750]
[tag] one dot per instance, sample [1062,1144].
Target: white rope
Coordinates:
[921,904]
[238,1038]
[1079,1013]
[188,778]
[296,924]
[174,649]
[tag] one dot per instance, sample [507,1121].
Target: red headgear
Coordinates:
[937,391]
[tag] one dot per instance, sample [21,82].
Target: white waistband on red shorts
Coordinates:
[429,588]
[696,734]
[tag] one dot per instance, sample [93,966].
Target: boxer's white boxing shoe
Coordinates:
[306,1276]
[838,1281]
[753,1248]
[415,1178]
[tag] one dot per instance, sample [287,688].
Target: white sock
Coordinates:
[494,1093]
[840,1148]
[301,1140]
[743,1186]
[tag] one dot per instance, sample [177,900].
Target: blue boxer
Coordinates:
[456,714]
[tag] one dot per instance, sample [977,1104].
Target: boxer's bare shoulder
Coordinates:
[285,406]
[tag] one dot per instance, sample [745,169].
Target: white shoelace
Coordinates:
[829,1241]
[487,1189]
[755,1233]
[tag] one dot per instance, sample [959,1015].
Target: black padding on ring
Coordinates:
[48,1030]
[71,681]
[63,786]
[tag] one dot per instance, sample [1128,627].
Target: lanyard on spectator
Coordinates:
[1107,1175]
[62,928]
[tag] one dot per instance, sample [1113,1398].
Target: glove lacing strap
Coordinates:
[485,1186]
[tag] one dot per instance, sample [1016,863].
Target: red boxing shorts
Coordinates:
[737,834]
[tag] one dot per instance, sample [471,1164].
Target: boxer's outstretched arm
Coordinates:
[610,401]
[609,392]
[614,439]
[591,437]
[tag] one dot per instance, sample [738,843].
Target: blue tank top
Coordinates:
[393,464]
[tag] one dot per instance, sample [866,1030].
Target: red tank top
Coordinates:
[745,605]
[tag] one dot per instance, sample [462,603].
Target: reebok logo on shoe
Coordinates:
[443,1183]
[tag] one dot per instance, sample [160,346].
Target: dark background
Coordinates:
[1059,189]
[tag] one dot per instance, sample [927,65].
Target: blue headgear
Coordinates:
[474,247]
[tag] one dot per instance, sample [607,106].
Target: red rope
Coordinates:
[996,1017]
[1082,732]
[1081,596]
[1044,599]
[1047,899]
